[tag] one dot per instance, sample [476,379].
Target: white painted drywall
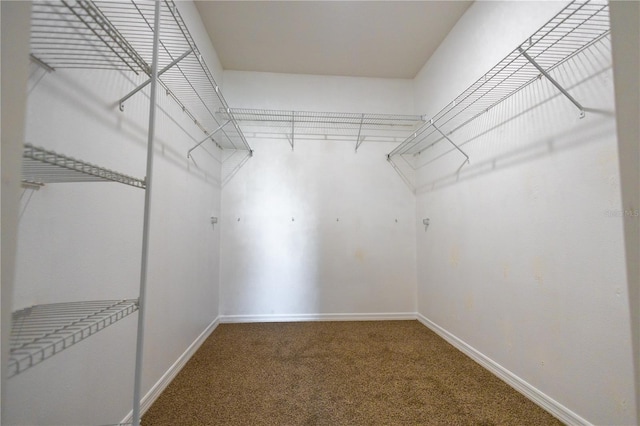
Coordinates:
[320,229]
[83,242]
[524,257]
[625,46]
[15,43]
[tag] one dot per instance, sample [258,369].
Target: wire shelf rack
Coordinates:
[118,35]
[40,166]
[41,331]
[575,28]
[356,127]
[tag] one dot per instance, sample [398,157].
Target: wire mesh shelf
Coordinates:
[356,127]
[575,28]
[40,166]
[41,331]
[118,35]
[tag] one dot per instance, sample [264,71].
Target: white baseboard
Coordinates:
[171,373]
[546,402]
[318,317]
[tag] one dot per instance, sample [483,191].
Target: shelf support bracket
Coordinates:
[358,141]
[450,141]
[293,129]
[146,83]
[27,184]
[41,63]
[209,135]
[144,263]
[552,80]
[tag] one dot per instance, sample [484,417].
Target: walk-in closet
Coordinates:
[320,212]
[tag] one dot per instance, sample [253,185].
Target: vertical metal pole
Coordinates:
[145,230]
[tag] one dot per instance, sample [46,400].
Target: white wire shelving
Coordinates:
[575,28]
[301,125]
[118,35]
[41,166]
[121,36]
[41,331]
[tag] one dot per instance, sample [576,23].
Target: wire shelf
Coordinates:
[575,28]
[118,35]
[41,331]
[40,166]
[356,127]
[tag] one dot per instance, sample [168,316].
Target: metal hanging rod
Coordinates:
[41,331]
[578,26]
[40,166]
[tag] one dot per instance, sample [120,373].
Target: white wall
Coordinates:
[625,41]
[320,229]
[15,44]
[83,242]
[524,258]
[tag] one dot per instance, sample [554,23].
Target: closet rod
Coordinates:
[137,383]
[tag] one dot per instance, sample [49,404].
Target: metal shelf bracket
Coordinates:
[450,141]
[33,58]
[146,83]
[358,140]
[209,136]
[293,129]
[552,80]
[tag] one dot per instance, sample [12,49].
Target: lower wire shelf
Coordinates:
[41,331]
[40,166]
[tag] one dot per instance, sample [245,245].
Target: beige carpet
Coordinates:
[337,373]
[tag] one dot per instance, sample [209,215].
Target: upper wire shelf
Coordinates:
[356,127]
[575,28]
[41,331]
[40,166]
[118,35]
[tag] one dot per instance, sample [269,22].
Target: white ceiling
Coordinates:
[389,39]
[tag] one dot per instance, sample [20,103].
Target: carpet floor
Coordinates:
[337,373]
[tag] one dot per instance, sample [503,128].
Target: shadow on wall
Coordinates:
[319,230]
[82,90]
[505,136]
[273,239]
